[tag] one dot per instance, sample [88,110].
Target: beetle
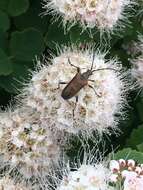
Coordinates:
[79,81]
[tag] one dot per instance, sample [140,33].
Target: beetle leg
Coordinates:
[76,101]
[61,82]
[97,94]
[91,80]
[78,69]
[74,106]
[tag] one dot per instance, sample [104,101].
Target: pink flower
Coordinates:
[133,183]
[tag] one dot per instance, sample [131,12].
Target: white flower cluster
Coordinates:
[127,173]
[25,142]
[100,99]
[137,70]
[86,177]
[8,184]
[112,175]
[90,13]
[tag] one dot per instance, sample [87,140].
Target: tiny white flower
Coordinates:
[1,131]
[114,165]
[133,183]
[5,120]
[128,174]
[131,163]
[114,178]
[17,142]
[8,184]
[138,169]
[122,162]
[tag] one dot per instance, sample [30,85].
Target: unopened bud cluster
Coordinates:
[128,173]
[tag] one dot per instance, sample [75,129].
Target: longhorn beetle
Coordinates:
[79,81]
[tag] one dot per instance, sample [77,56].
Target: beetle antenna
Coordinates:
[105,69]
[78,69]
[92,61]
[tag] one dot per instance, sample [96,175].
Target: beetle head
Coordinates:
[86,74]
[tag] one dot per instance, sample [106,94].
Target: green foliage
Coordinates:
[26,44]
[55,35]
[4,4]
[136,138]
[140,147]
[128,153]
[31,18]
[12,83]
[22,37]
[139,106]
[4,21]
[2,40]
[16,7]
[5,64]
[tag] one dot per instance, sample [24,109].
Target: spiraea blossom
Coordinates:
[103,14]
[91,173]
[25,143]
[8,184]
[97,102]
[98,174]
[137,71]
[87,177]
[127,174]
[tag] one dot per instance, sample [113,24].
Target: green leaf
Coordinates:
[4,21]
[4,4]
[5,64]
[128,153]
[3,40]
[32,19]
[56,35]
[7,83]
[140,109]
[17,7]
[136,137]
[77,36]
[5,98]
[13,82]
[27,44]
[140,147]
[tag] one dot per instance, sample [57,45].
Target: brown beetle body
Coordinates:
[79,81]
[76,84]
